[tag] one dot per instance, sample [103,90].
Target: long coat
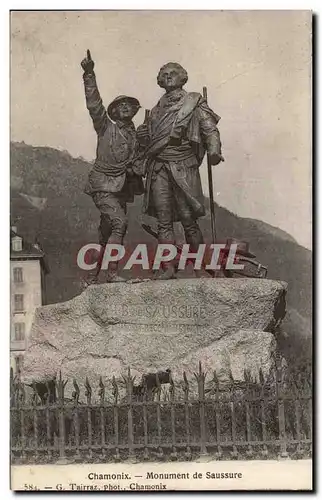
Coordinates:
[181,128]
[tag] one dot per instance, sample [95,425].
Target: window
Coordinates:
[18,302]
[19,361]
[17,275]
[19,331]
[16,243]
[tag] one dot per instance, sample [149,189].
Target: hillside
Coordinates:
[48,201]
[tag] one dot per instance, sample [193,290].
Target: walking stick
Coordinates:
[146,116]
[211,190]
[146,119]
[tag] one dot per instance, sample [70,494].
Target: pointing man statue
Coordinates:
[115,177]
[180,129]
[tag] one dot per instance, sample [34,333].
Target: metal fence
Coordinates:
[253,419]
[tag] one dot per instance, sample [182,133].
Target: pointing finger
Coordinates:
[89,57]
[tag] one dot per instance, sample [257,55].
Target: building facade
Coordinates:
[28,271]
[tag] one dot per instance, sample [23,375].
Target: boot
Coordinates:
[167,273]
[91,279]
[202,273]
[92,276]
[112,275]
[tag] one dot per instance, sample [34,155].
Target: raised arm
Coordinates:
[94,102]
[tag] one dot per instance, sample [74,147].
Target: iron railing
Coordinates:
[255,419]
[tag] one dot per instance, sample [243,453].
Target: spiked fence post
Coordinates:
[263,413]
[247,379]
[306,408]
[101,395]
[309,410]
[159,425]
[145,421]
[129,390]
[187,415]
[21,400]
[48,424]
[35,419]
[60,383]
[296,399]
[13,410]
[88,394]
[174,454]
[12,388]
[75,396]
[115,393]
[219,453]
[201,377]
[234,453]
[309,405]
[281,410]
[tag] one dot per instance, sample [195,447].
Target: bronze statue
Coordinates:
[178,132]
[116,175]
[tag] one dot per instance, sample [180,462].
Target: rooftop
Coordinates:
[28,250]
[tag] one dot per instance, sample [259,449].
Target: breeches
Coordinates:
[167,198]
[113,223]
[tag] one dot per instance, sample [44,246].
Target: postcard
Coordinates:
[161,250]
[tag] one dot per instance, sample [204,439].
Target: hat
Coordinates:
[242,247]
[117,100]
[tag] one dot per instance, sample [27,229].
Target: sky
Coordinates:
[256,66]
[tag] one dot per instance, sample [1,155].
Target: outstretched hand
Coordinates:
[88,64]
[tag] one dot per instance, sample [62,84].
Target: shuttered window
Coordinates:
[19,305]
[19,331]
[17,275]
[19,362]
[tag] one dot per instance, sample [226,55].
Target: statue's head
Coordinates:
[172,76]
[123,108]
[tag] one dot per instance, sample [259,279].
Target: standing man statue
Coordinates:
[180,129]
[115,177]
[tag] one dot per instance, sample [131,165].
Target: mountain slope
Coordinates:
[48,202]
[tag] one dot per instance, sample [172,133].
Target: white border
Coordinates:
[4,184]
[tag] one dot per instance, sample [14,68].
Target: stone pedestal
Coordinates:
[227,324]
